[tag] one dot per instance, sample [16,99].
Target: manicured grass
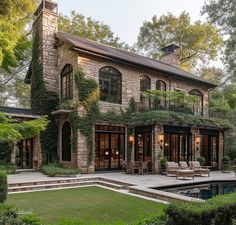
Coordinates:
[93,205]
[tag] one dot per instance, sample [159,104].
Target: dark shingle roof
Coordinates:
[89,46]
[18,112]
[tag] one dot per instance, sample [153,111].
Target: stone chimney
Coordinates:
[46,25]
[170,56]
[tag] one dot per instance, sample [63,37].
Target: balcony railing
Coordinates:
[16,104]
[149,104]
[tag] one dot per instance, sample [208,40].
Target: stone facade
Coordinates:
[57,54]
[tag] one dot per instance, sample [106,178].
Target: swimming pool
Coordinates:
[203,190]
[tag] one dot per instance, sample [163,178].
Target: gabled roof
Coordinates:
[91,47]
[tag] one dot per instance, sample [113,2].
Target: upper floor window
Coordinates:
[67,82]
[145,83]
[110,85]
[198,104]
[161,86]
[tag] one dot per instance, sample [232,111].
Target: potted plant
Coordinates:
[201,160]
[226,163]
[163,161]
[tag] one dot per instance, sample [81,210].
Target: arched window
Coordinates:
[67,82]
[110,85]
[161,86]
[145,83]
[66,142]
[198,104]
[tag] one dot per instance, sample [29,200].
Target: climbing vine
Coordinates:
[88,95]
[43,102]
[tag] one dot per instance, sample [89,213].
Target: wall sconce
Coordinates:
[160,140]
[197,142]
[131,139]
[106,153]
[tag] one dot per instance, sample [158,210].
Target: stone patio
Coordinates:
[136,184]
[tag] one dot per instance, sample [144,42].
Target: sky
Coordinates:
[125,17]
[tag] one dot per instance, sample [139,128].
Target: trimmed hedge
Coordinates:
[53,170]
[220,210]
[3,186]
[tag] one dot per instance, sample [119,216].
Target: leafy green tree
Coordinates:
[197,41]
[223,14]
[212,74]
[89,28]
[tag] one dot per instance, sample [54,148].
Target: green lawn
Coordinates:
[90,204]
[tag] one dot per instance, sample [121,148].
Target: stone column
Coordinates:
[37,153]
[13,146]
[195,151]
[221,148]
[158,153]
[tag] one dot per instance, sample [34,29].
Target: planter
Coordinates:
[163,170]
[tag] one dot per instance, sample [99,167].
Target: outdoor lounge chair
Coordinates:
[171,168]
[198,169]
[184,171]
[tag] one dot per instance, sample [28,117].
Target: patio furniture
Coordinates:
[126,167]
[198,169]
[184,173]
[183,165]
[171,168]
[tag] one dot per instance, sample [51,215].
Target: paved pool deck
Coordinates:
[146,181]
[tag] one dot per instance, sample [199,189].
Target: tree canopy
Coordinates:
[197,41]
[223,14]
[89,28]
[13,131]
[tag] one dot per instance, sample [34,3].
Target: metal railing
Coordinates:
[149,104]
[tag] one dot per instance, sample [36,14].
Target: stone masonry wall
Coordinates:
[46,25]
[131,81]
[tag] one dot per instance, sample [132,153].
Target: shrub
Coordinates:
[226,159]
[10,216]
[54,170]
[220,210]
[8,168]
[201,160]
[3,187]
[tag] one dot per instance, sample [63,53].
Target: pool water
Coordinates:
[203,190]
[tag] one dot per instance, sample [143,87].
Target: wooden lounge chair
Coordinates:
[184,171]
[171,168]
[198,169]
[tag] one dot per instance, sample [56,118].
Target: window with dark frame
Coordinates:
[161,86]
[67,82]
[198,105]
[110,80]
[66,142]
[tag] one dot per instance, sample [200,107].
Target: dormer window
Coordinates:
[67,82]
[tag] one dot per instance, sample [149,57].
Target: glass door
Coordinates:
[109,149]
[143,144]
[24,154]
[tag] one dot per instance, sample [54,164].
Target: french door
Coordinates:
[24,154]
[109,148]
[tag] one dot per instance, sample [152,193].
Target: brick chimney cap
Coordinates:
[170,49]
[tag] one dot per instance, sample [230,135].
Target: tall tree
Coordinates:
[197,41]
[89,28]
[223,14]
[14,46]
[211,73]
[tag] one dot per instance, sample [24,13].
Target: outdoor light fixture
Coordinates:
[197,141]
[160,140]
[106,153]
[131,138]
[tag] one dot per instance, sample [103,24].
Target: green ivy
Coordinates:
[43,102]
[88,97]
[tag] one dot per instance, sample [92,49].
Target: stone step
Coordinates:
[41,186]
[124,184]
[55,181]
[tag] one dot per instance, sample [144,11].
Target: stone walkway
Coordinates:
[139,180]
[140,184]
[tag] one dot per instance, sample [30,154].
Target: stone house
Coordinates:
[123,76]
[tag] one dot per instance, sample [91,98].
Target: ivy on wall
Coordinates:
[43,102]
